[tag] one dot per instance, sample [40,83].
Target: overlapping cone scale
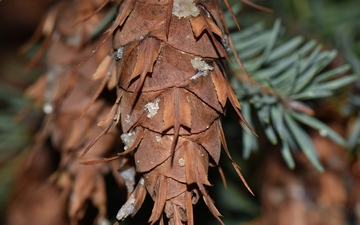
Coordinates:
[73,108]
[159,87]
[173,93]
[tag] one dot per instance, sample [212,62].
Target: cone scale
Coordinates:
[163,62]
[173,91]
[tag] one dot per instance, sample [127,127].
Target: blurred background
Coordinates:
[282,196]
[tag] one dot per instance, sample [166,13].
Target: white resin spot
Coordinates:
[128,139]
[152,108]
[201,66]
[128,119]
[158,138]
[181,162]
[127,209]
[185,8]
[48,108]
[119,53]
[129,177]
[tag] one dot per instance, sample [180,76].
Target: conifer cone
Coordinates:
[172,90]
[74,112]
[168,67]
[70,95]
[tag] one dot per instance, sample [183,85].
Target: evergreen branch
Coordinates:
[284,76]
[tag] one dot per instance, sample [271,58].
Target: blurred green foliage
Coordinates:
[17,122]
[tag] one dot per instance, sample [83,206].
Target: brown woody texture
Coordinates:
[172,91]
[65,92]
[163,64]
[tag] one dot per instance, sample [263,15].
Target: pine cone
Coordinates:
[168,67]
[172,91]
[70,95]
